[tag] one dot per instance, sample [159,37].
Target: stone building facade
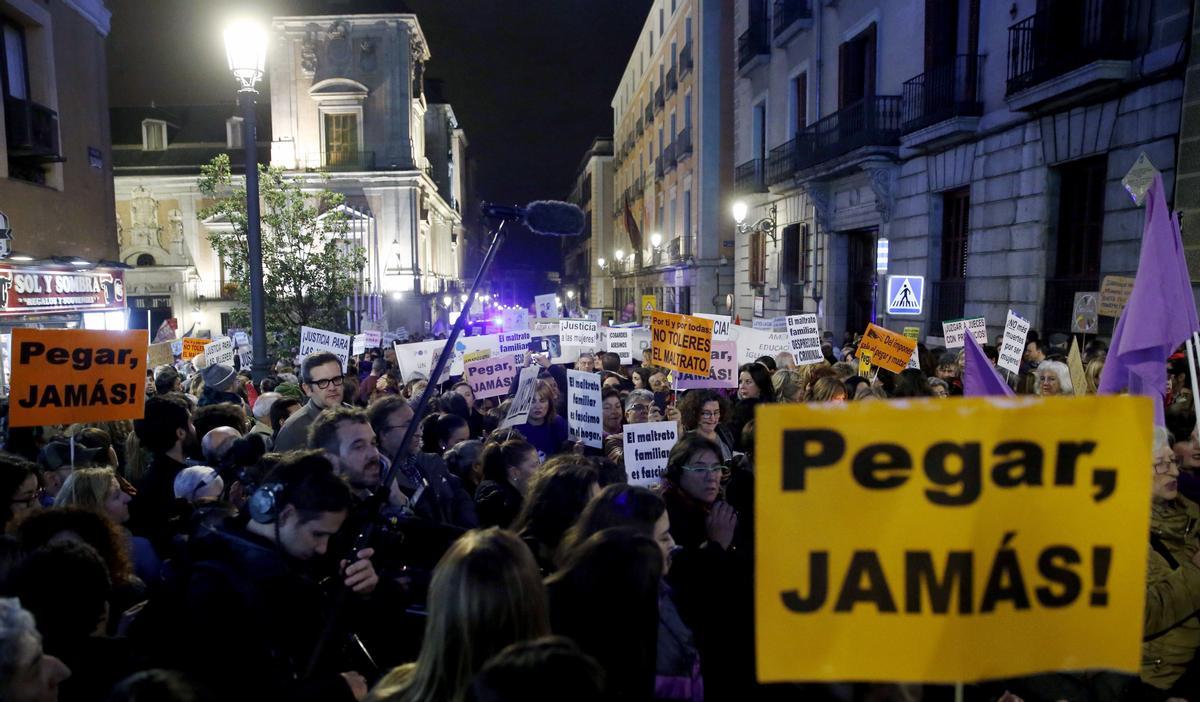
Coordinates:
[986,142]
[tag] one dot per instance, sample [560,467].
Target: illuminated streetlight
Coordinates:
[739,211]
[619,255]
[656,240]
[446,300]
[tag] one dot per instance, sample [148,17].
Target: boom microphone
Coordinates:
[548,217]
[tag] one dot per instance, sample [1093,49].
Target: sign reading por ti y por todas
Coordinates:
[62,376]
[681,342]
[1006,538]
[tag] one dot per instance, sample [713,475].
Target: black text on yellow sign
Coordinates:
[681,342]
[61,376]
[947,541]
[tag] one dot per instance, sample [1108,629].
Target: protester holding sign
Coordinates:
[545,429]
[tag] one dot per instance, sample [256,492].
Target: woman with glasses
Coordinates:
[702,412]
[19,489]
[1172,631]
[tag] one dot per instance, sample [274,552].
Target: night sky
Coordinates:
[530,80]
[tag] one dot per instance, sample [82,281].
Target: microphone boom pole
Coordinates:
[379,497]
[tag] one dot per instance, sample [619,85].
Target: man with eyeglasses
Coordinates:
[321,380]
[638,405]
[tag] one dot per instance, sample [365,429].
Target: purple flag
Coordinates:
[980,377]
[1160,314]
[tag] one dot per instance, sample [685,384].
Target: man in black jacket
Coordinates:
[250,593]
[165,430]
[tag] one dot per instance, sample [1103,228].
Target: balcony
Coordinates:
[872,123]
[658,168]
[749,177]
[943,104]
[214,292]
[754,47]
[685,59]
[950,298]
[683,143]
[1071,49]
[672,82]
[333,160]
[669,158]
[659,99]
[791,18]
[649,114]
[32,131]
[639,126]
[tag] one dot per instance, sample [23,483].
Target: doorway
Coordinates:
[860,277]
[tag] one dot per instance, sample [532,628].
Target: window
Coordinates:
[341,139]
[233,133]
[856,68]
[758,258]
[687,222]
[661,22]
[674,131]
[154,135]
[1080,219]
[672,232]
[16,67]
[799,100]
[687,110]
[759,137]
[674,56]
[687,29]
[790,272]
[956,228]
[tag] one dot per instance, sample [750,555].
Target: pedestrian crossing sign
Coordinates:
[905,294]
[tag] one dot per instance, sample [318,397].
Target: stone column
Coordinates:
[1187,175]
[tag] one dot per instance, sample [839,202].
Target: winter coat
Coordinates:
[677,664]
[497,503]
[1172,630]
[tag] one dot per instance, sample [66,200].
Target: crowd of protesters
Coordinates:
[199,552]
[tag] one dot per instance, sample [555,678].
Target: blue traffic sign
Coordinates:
[905,294]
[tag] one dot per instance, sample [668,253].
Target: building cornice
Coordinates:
[93,11]
[302,23]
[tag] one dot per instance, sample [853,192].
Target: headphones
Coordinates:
[264,503]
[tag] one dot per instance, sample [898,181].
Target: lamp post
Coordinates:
[246,49]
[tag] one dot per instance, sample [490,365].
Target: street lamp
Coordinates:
[656,240]
[766,225]
[462,299]
[570,294]
[246,49]
[619,255]
[446,300]
[601,262]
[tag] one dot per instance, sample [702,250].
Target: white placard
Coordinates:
[763,323]
[1013,349]
[545,305]
[518,411]
[372,338]
[620,342]
[401,333]
[545,335]
[585,414]
[219,351]
[804,335]
[595,315]
[515,319]
[578,332]
[314,340]
[516,342]
[358,345]
[955,330]
[420,358]
[647,446]
[753,343]
[721,325]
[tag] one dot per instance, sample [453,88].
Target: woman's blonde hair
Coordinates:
[87,487]
[486,593]
[1092,373]
[788,384]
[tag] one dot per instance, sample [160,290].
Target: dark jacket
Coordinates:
[444,500]
[211,396]
[153,511]
[294,432]
[244,600]
[497,504]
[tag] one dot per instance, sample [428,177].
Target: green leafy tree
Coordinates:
[309,266]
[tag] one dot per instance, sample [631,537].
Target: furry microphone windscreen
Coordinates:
[554,218]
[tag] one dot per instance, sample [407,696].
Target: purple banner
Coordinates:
[722,371]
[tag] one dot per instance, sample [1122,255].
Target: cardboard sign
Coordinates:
[1114,293]
[681,342]
[578,332]
[545,305]
[1012,350]
[62,376]
[1017,527]
[805,338]
[219,351]
[722,372]
[585,414]
[160,354]
[647,446]
[913,333]
[721,325]
[889,350]
[314,340]
[955,331]
[192,347]
[620,342]
[1084,313]
[490,377]
[373,338]
[515,319]
[518,411]
[358,345]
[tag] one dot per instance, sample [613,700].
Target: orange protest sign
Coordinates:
[889,350]
[193,347]
[61,376]
[681,342]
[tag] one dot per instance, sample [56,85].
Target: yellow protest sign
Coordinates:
[889,350]
[478,355]
[61,376]
[991,538]
[912,332]
[681,342]
[193,347]
[864,363]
